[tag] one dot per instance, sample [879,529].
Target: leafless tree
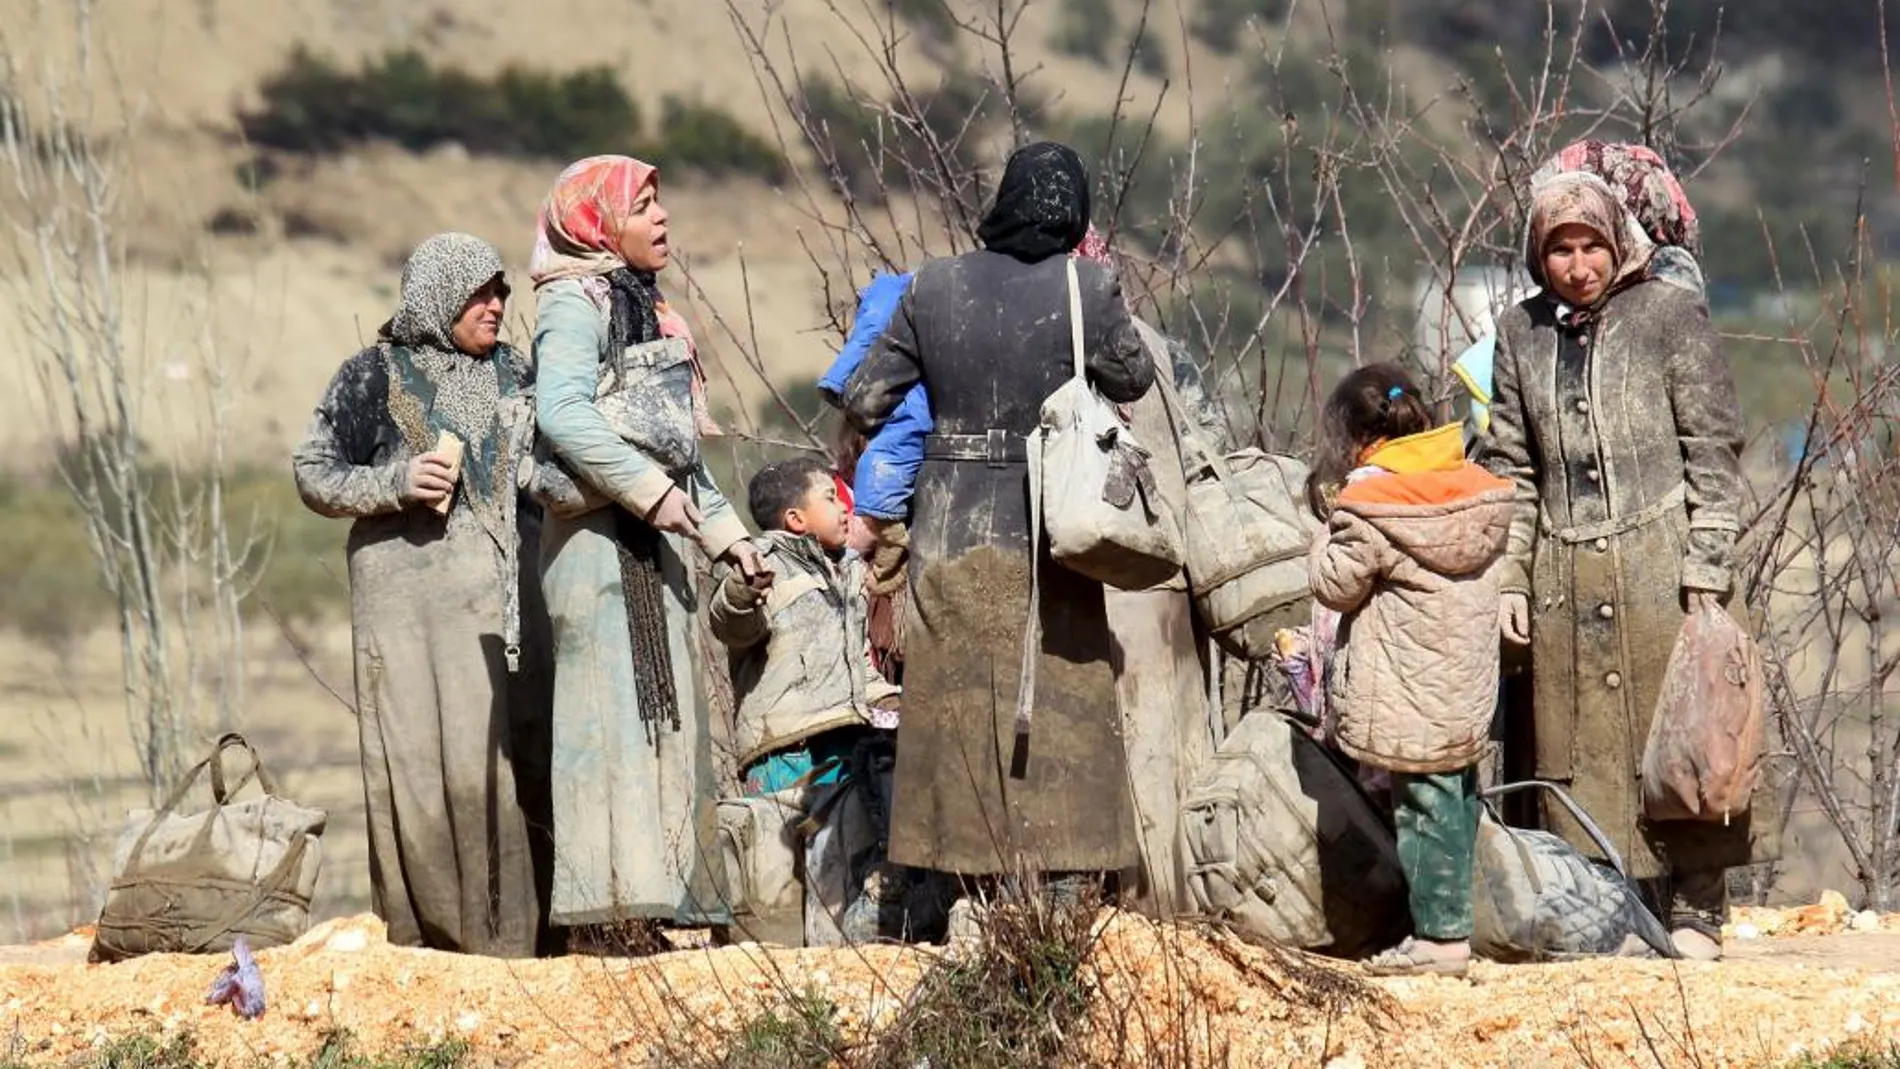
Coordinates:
[155,519]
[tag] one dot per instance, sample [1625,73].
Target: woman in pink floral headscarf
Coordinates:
[621,404]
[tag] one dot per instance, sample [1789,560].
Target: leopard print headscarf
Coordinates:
[440,277]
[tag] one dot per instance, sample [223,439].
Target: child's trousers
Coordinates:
[1437,818]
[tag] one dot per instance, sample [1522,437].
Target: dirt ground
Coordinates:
[1775,997]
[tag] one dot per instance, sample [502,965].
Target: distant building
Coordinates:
[1450,318]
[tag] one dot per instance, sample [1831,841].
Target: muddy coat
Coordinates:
[454,746]
[1623,438]
[801,659]
[633,789]
[1411,557]
[988,335]
[1163,683]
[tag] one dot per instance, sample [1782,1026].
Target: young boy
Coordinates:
[806,691]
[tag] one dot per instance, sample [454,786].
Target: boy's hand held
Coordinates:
[751,566]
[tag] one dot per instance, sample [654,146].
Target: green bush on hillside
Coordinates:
[705,139]
[1085,28]
[868,148]
[1221,24]
[313,106]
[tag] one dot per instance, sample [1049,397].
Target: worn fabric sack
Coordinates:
[1247,531]
[1703,757]
[1280,842]
[759,844]
[192,882]
[1090,481]
[1536,898]
[646,396]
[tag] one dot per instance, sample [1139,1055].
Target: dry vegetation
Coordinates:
[1286,203]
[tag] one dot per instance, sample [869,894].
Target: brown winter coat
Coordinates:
[1410,558]
[1623,437]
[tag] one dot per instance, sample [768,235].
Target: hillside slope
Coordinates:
[287,303]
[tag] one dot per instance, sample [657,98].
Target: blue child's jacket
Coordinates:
[887,472]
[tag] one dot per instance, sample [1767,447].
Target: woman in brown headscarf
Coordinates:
[1615,413]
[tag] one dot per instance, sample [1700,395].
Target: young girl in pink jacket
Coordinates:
[1408,557]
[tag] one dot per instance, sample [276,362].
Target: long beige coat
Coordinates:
[1623,439]
[1162,679]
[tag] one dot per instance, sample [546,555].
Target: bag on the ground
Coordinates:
[1282,844]
[1536,898]
[1091,485]
[1248,531]
[192,882]
[1703,757]
[759,844]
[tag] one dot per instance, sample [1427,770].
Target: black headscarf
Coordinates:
[1042,204]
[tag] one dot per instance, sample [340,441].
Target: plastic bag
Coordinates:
[1703,757]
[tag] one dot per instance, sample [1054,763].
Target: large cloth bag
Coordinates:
[193,882]
[1248,531]
[759,847]
[1703,757]
[1281,842]
[1090,481]
[645,394]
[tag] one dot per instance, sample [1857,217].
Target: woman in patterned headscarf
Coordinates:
[1654,198]
[1615,414]
[621,406]
[452,677]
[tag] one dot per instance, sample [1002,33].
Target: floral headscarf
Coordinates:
[1584,199]
[577,236]
[1642,181]
[1095,247]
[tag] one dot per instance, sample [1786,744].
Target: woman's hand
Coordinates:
[1514,618]
[676,514]
[429,481]
[751,567]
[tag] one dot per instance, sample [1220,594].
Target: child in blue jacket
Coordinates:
[887,470]
[885,473]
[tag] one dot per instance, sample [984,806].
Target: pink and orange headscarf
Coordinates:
[577,236]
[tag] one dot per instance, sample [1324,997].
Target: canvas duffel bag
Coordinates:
[1282,843]
[193,882]
[1248,531]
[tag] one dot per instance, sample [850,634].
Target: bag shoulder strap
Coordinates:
[1032,627]
[1192,447]
[1075,320]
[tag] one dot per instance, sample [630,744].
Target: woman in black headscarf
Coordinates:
[988,335]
